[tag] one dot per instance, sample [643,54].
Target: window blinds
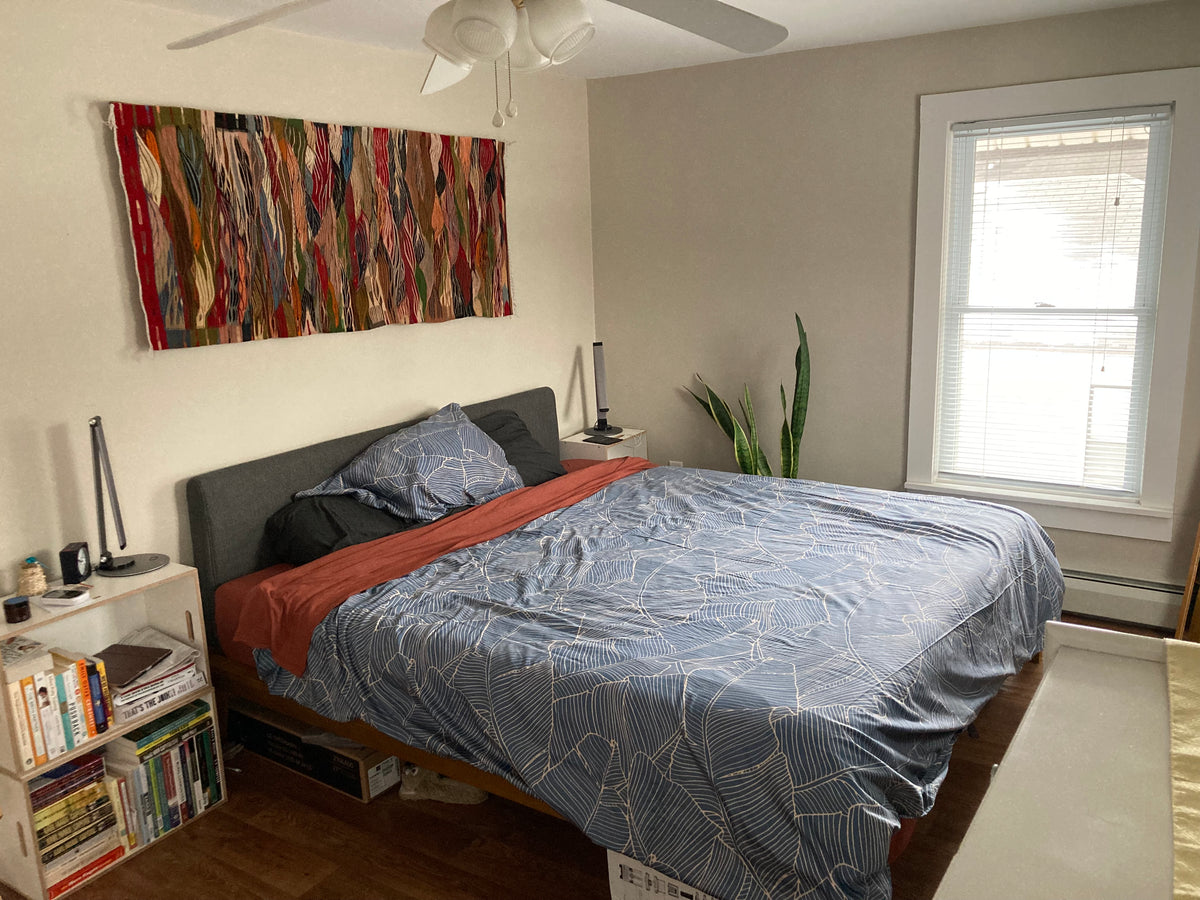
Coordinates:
[1050,288]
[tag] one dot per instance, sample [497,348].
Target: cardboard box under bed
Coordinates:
[341,764]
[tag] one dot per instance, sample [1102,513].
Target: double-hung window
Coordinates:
[1056,250]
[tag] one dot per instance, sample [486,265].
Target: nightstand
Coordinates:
[630,442]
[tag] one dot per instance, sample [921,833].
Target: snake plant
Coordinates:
[746,448]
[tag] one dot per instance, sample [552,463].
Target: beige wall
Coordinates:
[72,340]
[728,196]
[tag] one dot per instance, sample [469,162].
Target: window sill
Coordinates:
[1134,520]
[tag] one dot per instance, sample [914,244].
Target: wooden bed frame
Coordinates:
[228,509]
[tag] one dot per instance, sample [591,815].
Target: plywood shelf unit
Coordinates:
[167,600]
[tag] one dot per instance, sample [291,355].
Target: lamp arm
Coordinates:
[102,466]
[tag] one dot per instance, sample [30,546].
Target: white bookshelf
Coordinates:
[168,600]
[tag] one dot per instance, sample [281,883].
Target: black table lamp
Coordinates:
[109,565]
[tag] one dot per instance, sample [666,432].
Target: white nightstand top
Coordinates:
[624,434]
[630,442]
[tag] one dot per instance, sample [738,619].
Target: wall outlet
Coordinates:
[675,462]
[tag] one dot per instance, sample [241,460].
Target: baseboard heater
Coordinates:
[1124,599]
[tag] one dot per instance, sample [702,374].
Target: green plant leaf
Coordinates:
[746,459]
[799,398]
[787,448]
[715,407]
[724,417]
[703,403]
[761,465]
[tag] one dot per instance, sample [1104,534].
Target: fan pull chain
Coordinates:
[511,109]
[498,118]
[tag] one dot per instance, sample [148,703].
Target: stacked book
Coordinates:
[165,772]
[60,698]
[76,822]
[148,680]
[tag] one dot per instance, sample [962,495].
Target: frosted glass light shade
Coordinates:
[559,28]
[522,55]
[484,28]
[439,36]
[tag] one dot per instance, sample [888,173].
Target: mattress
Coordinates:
[744,682]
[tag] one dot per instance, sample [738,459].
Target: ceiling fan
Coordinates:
[534,33]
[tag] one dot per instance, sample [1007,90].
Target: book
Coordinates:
[73,878]
[65,779]
[114,796]
[47,701]
[146,801]
[85,696]
[81,855]
[211,766]
[144,688]
[126,712]
[29,694]
[66,664]
[177,657]
[145,736]
[20,717]
[158,792]
[125,663]
[64,711]
[102,671]
[125,821]
[95,691]
[22,656]
[78,837]
[58,830]
[63,811]
[131,778]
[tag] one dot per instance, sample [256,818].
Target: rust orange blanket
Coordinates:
[282,610]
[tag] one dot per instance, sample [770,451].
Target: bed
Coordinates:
[745,683]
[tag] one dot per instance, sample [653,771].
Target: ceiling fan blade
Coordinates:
[267,15]
[443,73]
[727,25]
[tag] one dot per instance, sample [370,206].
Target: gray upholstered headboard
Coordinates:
[228,508]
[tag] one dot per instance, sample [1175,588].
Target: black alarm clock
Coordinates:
[75,562]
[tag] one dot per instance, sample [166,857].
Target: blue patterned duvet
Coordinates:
[742,681]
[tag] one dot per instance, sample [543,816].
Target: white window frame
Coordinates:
[1150,516]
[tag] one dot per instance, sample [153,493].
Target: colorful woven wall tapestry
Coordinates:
[254,227]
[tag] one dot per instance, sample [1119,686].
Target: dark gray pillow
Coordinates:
[533,462]
[311,527]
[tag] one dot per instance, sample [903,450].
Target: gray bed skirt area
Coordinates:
[228,508]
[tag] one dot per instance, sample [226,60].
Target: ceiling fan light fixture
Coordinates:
[522,55]
[559,28]
[439,36]
[484,28]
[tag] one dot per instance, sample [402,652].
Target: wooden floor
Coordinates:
[280,836]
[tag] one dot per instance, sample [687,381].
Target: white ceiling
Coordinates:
[627,42]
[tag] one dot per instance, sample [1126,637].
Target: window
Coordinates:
[1052,297]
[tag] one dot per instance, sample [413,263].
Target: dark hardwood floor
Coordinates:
[282,837]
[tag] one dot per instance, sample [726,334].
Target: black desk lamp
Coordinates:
[109,565]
